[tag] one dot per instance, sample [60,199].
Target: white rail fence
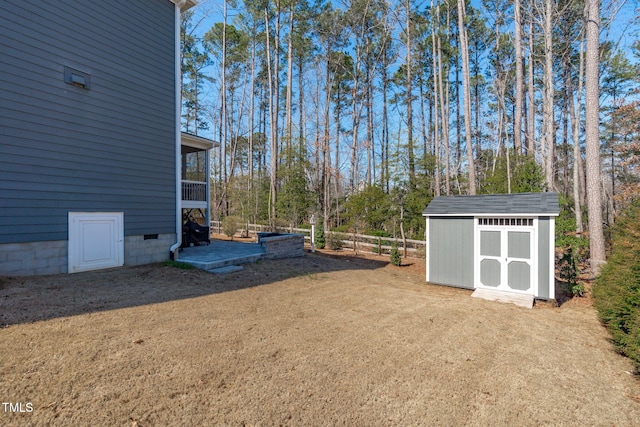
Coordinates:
[356,242]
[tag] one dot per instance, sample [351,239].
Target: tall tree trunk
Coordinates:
[289,94]
[423,119]
[548,119]
[577,157]
[444,114]
[517,119]
[302,148]
[464,47]
[273,120]
[531,121]
[385,126]
[436,137]
[251,107]
[336,168]
[592,135]
[412,166]
[223,112]
[326,156]
[355,123]
[371,170]
[567,95]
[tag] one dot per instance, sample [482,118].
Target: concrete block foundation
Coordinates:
[51,257]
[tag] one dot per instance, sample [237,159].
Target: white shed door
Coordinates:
[506,259]
[96,240]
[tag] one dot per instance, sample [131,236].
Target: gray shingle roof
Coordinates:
[495,204]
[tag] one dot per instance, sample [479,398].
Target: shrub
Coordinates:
[617,289]
[230,225]
[319,236]
[334,241]
[568,272]
[396,259]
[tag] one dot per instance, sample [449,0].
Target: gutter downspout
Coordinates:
[173,250]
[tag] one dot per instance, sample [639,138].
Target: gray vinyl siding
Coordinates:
[108,148]
[451,251]
[543,257]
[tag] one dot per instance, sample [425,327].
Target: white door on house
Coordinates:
[96,240]
[505,258]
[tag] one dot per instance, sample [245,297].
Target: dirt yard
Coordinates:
[317,340]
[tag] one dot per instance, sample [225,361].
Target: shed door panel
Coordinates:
[505,259]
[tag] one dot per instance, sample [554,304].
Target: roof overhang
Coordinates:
[490,215]
[495,205]
[198,142]
[184,4]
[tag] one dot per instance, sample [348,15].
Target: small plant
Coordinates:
[230,225]
[319,236]
[334,241]
[568,272]
[396,259]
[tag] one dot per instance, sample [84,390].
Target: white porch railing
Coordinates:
[194,191]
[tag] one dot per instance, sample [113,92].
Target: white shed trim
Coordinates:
[428,246]
[552,258]
[487,215]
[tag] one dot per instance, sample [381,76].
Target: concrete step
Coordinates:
[210,265]
[227,269]
[521,300]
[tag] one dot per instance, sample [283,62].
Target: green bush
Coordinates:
[319,236]
[617,289]
[395,255]
[334,241]
[230,225]
[568,272]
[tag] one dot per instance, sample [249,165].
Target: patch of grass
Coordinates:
[178,264]
[617,288]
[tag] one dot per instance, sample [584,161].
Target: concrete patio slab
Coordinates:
[221,253]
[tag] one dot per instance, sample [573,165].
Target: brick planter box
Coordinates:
[281,245]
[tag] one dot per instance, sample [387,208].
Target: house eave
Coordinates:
[197,141]
[185,4]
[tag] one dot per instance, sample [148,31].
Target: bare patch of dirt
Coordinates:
[323,339]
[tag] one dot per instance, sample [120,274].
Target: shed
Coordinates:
[498,242]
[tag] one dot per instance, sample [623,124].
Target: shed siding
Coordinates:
[451,251]
[108,148]
[544,223]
